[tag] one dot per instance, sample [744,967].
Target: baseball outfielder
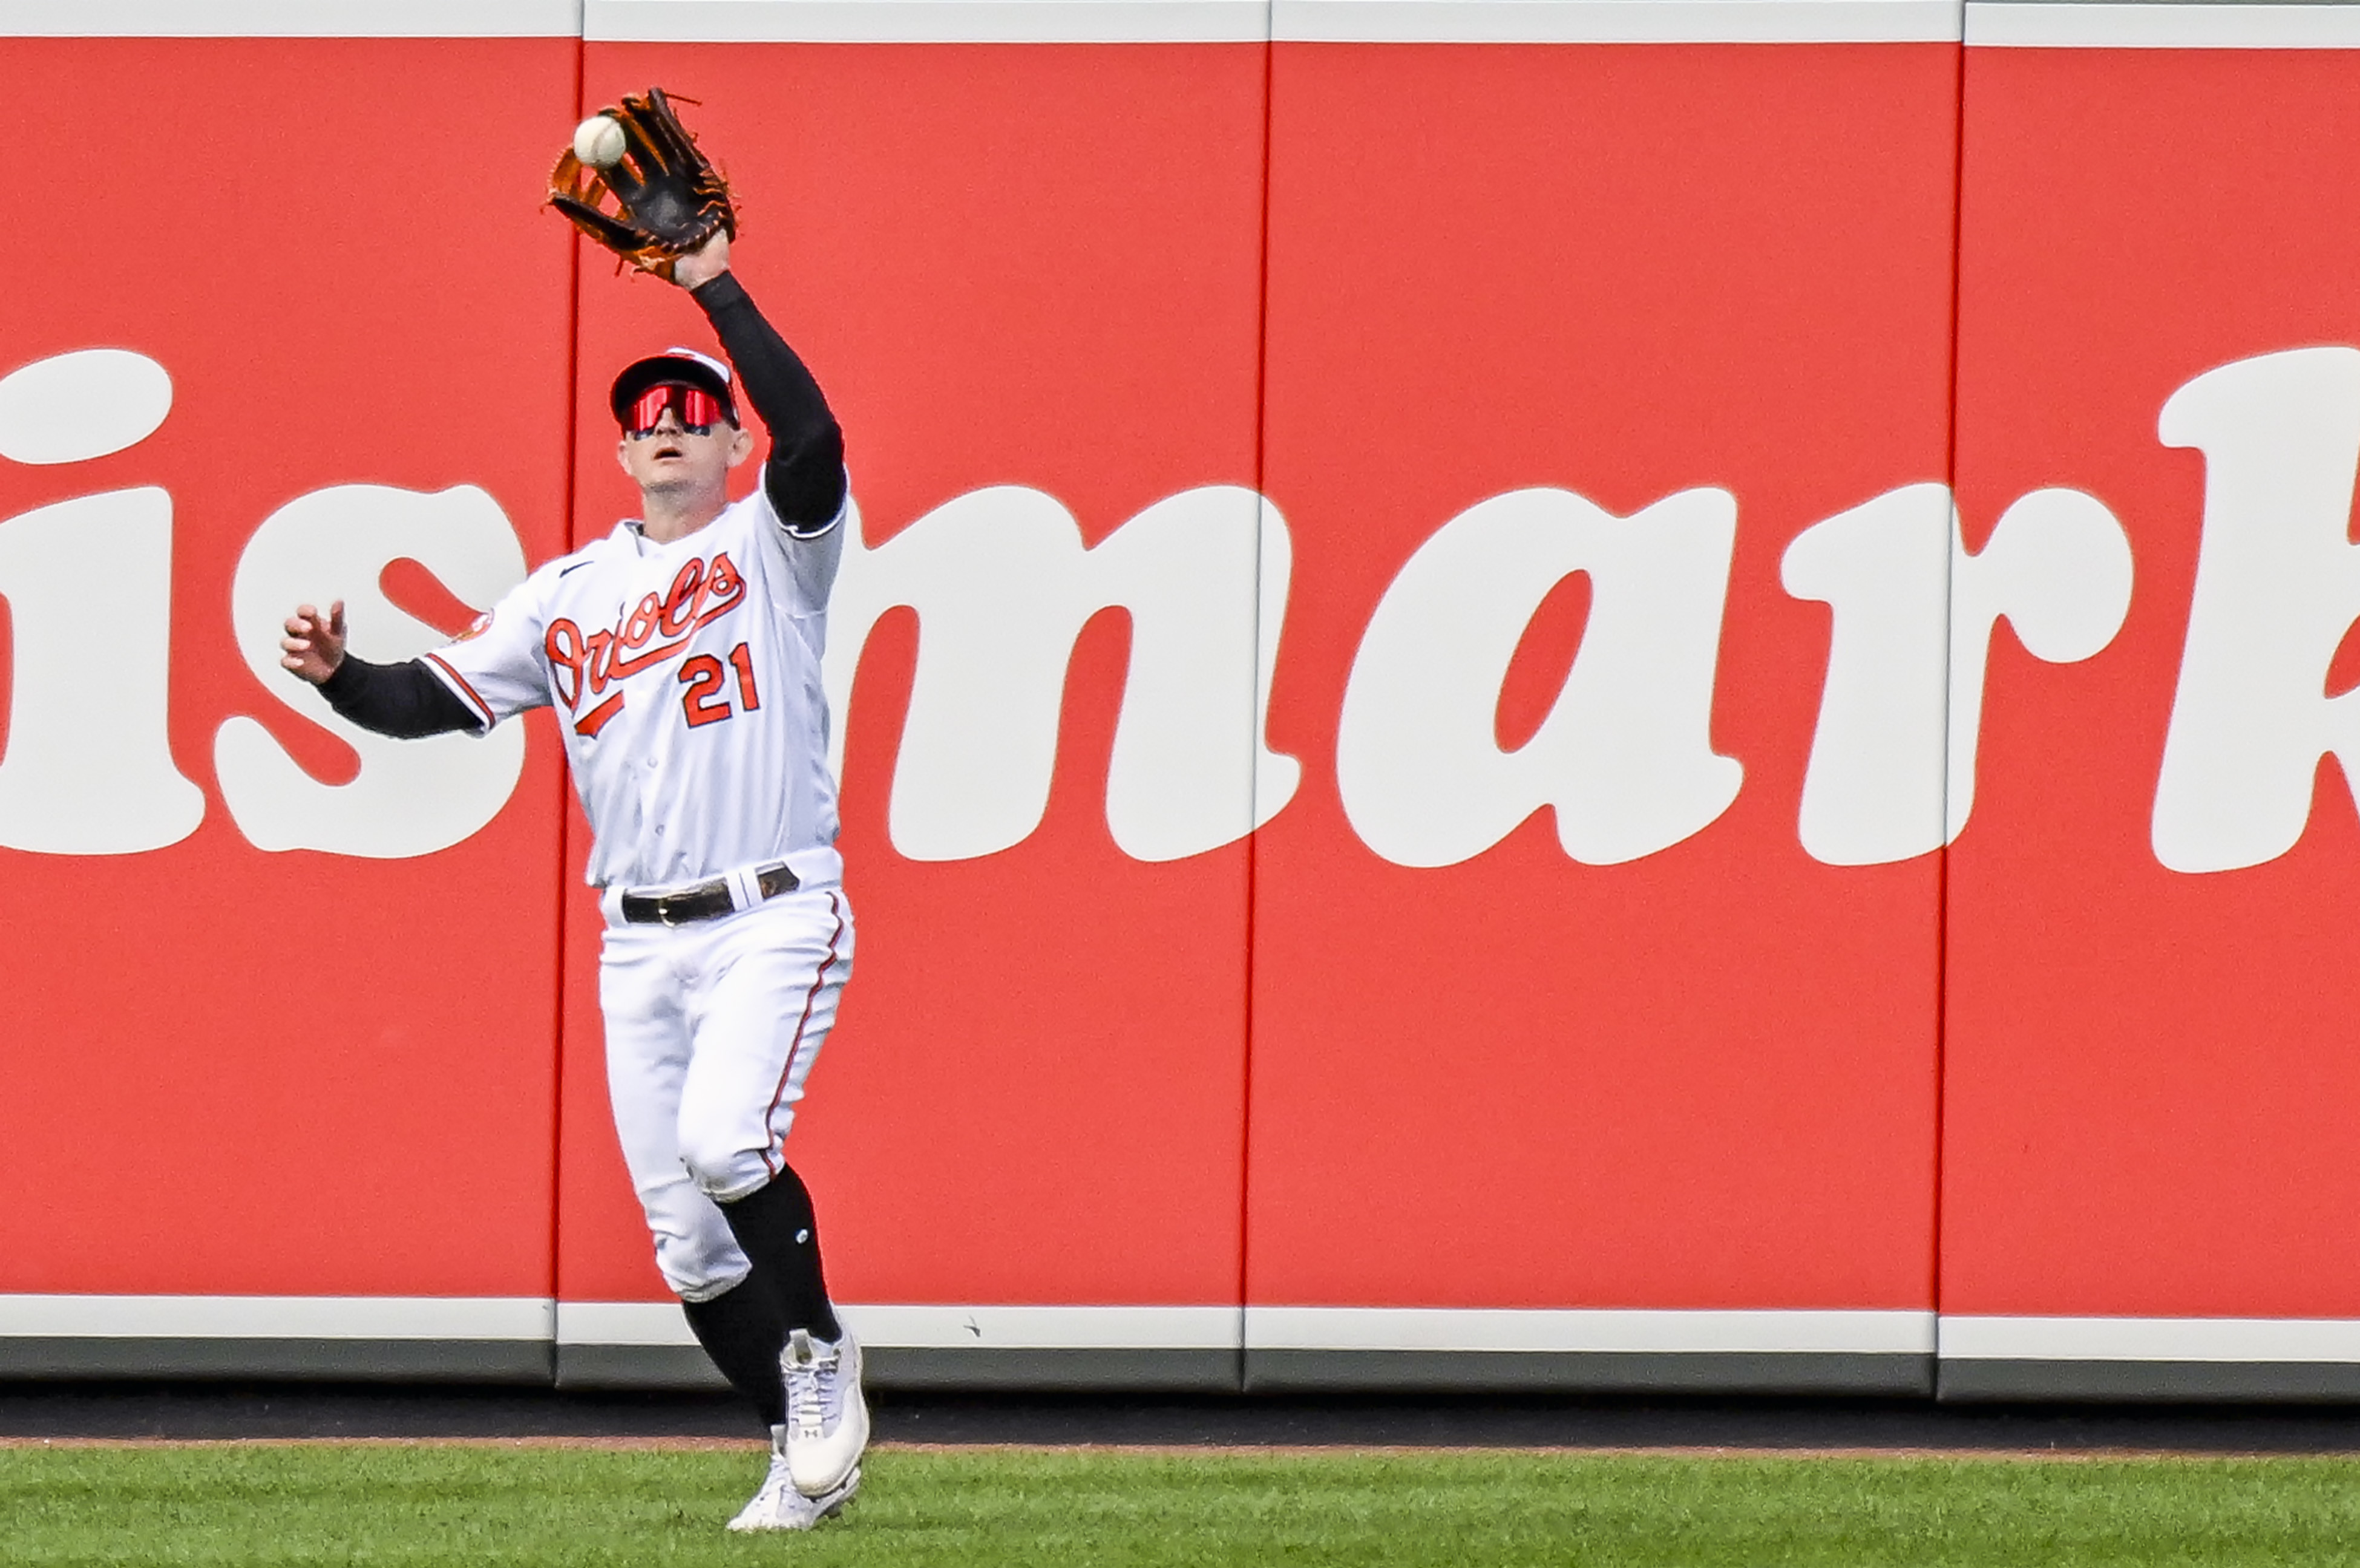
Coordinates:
[681,654]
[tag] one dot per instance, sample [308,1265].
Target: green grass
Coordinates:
[384,1504]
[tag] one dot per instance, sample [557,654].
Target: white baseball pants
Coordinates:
[711,1029]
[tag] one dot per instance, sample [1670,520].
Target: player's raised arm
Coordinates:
[805,473]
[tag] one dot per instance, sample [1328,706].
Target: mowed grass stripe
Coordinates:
[378,1504]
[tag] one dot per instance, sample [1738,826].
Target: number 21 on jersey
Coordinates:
[704,701]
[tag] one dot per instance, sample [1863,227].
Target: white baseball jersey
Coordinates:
[686,680]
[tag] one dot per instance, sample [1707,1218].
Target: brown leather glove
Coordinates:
[667,198]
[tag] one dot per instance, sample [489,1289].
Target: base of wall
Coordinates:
[926,1367]
[2275,1382]
[671,1368]
[325,1360]
[685,1368]
[1083,1370]
[1294,1371]
[1588,1372]
[531,1340]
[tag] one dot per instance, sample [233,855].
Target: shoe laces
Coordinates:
[815,1391]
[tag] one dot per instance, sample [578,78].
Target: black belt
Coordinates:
[702,902]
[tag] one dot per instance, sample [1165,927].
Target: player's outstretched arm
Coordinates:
[314,643]
[805,473]
[404,701]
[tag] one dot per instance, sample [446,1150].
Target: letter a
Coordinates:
[1625,756]
[2277,586]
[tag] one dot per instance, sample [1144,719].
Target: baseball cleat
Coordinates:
[778,1506]
[827,1420]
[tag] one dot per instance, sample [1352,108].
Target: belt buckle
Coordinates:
[664,916]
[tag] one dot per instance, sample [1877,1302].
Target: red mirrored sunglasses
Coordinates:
[699,411]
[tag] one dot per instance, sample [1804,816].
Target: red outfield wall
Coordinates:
[1033,267]
[2149,1072]
[1405,679]
[237,1070]
[1691,1067]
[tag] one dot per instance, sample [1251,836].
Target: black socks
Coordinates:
[745,1327]
[775,1229]
[742,1331]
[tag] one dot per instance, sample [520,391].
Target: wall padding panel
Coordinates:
[280,1002]
[2148,1159]
[1560,1004]
[1027,278]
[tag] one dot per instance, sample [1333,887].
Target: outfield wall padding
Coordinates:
[1560,695]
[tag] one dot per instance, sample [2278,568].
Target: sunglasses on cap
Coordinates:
[699,411]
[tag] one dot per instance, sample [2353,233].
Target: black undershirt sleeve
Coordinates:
[805,473]
[404,701]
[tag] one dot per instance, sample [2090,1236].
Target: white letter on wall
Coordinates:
[1625,756]
[1002,586]
[89,765]
[412,796]
[2277,586]
[1913,618]
[70,408]
[88,769]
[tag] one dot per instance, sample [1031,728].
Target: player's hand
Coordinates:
[703,265]
[314,643]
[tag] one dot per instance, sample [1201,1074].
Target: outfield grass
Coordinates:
[385,1504]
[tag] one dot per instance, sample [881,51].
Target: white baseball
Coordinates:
[598,142]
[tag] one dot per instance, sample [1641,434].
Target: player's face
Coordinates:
[675,457]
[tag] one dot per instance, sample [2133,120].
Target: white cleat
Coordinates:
[778,1506]
[827,1420]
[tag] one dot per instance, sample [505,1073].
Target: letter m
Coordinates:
[1002,585]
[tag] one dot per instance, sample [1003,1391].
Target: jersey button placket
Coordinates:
[652,782]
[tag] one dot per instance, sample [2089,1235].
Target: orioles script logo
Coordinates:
[584,665]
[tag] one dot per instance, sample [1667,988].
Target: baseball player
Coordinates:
[681,654]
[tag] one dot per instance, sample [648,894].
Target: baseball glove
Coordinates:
[667,198]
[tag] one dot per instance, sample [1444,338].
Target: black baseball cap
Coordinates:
[673,367]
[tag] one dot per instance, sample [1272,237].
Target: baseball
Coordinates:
[598,142]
